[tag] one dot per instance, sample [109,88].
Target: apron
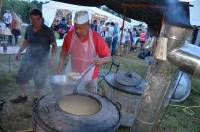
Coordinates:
[81,59]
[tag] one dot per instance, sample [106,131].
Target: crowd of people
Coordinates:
[110,31]
[118,42]
[11,22]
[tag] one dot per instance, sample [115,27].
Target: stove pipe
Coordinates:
[158,79]
[187,58]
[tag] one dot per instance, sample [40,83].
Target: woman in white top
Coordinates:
[109,31]
[125,42]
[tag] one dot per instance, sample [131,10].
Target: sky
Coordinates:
[194,12]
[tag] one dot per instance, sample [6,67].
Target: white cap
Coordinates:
[81,17]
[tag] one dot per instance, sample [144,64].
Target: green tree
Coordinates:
[21,7]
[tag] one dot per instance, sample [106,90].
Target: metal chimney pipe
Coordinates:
[158,79]
[187,58]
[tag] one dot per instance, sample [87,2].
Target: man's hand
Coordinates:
[100,61]
[58,70]
[51,62]
[21,49]
[18,57]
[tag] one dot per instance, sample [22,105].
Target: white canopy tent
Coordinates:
[49,11]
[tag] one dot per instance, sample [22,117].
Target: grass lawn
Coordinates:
[18,117]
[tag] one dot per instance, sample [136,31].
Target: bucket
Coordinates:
[62,84]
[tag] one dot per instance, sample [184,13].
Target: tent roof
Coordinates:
[151,12]
[53,5]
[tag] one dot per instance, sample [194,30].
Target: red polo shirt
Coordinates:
[101,48]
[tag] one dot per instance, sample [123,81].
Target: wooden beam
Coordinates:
[122,30]
[142,6]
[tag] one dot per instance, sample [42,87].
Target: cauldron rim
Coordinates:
[45,126]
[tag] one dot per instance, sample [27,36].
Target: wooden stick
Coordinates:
[120,41]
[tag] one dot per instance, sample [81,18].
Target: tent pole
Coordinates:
[120,41]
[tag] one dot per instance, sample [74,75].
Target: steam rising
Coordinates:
[177,13]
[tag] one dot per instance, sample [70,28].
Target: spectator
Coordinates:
[62,28]
[109,31]
[101,29]
[94,25]
[37,40]
[115,37]
[125,42]
[16,27]
[134,39]
[142,39]
[7,17]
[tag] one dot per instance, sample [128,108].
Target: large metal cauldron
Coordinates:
[85,112]
[125,90]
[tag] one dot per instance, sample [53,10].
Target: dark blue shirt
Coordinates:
[39,43]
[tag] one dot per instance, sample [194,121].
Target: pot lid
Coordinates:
[130,79]
[136,90]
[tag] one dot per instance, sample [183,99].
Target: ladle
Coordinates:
[82,76]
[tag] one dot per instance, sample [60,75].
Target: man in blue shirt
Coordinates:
[37,40]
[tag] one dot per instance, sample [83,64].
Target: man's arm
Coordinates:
[100,61]
[53,53]
[102,50]
[53,50]
[21,49]
[63,55]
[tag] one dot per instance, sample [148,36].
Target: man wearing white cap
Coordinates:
[86,48]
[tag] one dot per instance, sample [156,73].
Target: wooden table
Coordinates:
[11,50]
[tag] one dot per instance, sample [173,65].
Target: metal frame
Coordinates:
[114,63]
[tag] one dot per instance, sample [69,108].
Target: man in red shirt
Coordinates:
[86,48]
